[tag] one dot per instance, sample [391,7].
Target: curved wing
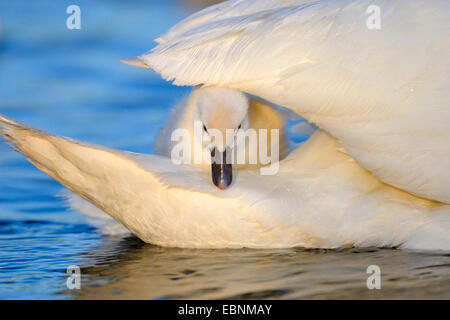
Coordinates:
[382,92]
[319,198]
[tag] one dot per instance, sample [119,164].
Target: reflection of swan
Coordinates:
[319,198]
[382,92]
[140,271]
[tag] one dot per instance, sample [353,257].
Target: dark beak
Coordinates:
[222,174]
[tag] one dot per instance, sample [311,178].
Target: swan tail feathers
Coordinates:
[82,168]
[55,155]
[122,184]
[136,62]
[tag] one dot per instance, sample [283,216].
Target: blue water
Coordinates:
[70,82]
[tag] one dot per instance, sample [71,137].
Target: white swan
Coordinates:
[320,198]
[224,112]
[383,93]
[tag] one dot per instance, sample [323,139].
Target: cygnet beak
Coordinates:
[222,174]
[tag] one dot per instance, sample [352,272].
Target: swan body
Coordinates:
[382,93]
[321,198]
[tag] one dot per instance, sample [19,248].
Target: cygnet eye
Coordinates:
[240,126]
[204,128]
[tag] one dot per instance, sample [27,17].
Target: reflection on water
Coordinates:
[129,268]
[69,82]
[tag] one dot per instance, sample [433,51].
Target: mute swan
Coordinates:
[382,92]
[224,110]
[320,197]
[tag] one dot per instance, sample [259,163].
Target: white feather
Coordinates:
[382,93]
[321,198]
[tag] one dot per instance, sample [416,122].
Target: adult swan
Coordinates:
[374,74]
[382,93]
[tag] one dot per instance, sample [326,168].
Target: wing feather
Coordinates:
[319,198]
[383,93]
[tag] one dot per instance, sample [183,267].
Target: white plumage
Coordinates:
[382,93]
[321,198]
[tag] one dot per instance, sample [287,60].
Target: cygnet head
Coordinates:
[221,112]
